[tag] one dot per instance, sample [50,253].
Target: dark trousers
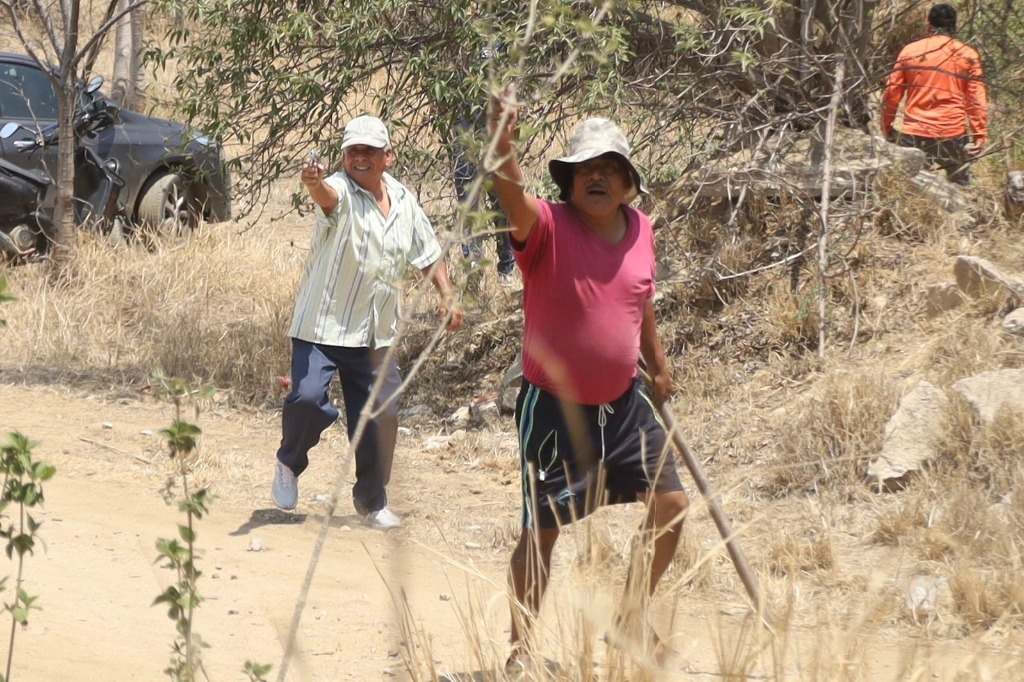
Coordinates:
[308,412]
[946,153]
[465,173]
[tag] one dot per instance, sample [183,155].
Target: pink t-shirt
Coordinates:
[583,301]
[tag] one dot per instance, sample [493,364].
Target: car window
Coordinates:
[26,92]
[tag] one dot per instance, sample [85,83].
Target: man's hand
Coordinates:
[312,176]
[451,315]
[662,388]
[312,172]
[503,119]
[973,149]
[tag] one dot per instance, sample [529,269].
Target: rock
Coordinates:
[415,411]
[907,443]
[979,278]
[514,374]
[435,443]
[510,383]
[792,162]
[942,298]
[987,392]
[255,545]
[922,594]
[508,400]
[1014,322]
[947,195]
[1013,198]
[485,410]
[461,416]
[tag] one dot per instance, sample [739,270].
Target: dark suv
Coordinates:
[173,173]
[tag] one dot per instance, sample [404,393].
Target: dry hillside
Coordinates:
[783,431]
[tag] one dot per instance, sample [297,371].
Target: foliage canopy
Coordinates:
[688,78]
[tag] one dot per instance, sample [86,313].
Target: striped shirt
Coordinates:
[351,289]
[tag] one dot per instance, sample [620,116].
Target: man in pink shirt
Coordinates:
[589,432]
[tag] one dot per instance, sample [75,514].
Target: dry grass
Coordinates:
[826,440]
[212,309]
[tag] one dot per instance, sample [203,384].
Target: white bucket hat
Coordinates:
[592,138]
[368,130]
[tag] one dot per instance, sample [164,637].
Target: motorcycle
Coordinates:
[25,229]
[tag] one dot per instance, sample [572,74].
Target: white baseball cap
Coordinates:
[368,130]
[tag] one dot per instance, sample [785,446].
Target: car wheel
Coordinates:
[164,207]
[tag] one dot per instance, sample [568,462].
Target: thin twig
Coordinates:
[826,192]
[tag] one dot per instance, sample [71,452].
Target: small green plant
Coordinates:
[180,553]
[4,297]
[22,490]
[257,672]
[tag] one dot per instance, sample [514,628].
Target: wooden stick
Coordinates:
[739,560]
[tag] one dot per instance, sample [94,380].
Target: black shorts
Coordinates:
[575,458]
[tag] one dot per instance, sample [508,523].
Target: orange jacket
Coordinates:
[943,83]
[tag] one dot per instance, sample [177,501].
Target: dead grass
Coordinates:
[826,440]
[211,309]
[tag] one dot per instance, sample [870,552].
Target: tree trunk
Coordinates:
[813,29]
[855,24]
[125,60]
[137,17]
[62,252]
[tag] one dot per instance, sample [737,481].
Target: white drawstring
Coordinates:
[603,410]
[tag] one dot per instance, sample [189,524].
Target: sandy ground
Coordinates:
[96,573]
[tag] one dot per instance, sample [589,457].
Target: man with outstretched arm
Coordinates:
[369,230]
[588,429]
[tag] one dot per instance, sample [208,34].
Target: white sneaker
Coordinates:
[510,280]
[382,519]
[285,490]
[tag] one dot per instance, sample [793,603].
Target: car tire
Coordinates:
[164,207]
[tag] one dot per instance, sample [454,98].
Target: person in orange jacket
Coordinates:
[945,110]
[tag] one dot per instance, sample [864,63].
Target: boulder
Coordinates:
[987,392]
[1014,322]
[950,196]
[510,385]
[980,278]
[1013,198]
[791,162]
[908,437]
[942,298]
